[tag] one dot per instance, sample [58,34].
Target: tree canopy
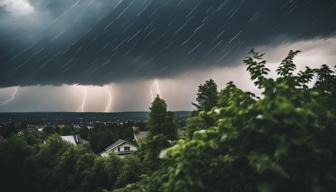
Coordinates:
[160,120]
[281,140]
[207,96]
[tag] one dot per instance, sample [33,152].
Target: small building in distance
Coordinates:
[121,148]
[74,139]
[139,135]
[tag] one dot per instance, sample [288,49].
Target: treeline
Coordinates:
[99,137]
[280,140]
[56,165]
[32,160]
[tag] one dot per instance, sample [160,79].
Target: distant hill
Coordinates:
[43,117]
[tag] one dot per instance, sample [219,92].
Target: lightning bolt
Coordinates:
[84,99]
[109,101]
[155,89]
[12,96]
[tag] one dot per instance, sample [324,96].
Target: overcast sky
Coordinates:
[113,55]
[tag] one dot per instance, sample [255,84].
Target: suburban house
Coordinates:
[120,148]
[74,139]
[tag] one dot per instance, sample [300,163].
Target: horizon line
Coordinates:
[87,112]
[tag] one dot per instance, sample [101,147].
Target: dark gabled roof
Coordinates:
[118,143]
[115,144]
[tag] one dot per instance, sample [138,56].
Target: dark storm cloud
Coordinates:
[100,41]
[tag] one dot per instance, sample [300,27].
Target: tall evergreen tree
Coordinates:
[162,130]
[161,121]
[207,96]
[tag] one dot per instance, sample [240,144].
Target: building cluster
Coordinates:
[120,147]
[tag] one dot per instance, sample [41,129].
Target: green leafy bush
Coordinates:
[282,140]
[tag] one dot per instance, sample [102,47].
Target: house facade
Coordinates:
[120,148]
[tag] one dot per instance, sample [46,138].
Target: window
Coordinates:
[127,148]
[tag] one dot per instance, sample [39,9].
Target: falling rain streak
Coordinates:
[91,41]
[99,42]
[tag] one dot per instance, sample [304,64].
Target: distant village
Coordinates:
[120,147]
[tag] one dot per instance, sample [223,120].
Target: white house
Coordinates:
[120,148]
[74,139]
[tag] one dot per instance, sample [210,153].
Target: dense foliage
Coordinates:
[207,96]
[282,140]
[32,160]
[55,165]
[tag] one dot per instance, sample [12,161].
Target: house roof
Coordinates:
[140,135]
[117,143]
[69,138]
[74,139]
